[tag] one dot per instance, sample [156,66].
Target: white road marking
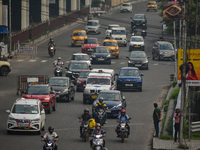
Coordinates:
[122,63]
[155,64]
[32,60]
[20,60]
[67,61]
[44,61]
[113,62]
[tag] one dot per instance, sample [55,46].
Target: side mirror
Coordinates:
[148,56]
[116,74]
[141,74]
[42,136]
[8,111]
[127,57]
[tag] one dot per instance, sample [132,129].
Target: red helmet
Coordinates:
[123,111]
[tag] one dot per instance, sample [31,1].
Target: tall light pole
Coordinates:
[10,47]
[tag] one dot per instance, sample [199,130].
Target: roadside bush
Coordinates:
[174,94]
[195,136]
[170,127]
[166,137]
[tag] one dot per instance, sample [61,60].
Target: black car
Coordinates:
[114,101]
[139,21]
[101,54]
[63,87]
[138,59]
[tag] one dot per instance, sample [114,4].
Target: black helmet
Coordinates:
[50,129]
[86,110]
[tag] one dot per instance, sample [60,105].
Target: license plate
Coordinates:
[78,41]
[137,65]
[23,125]
[125,10]
[94,96]
[128,84]
[90,50]
[137,46]
[91,30]
[101,59]
[108,111]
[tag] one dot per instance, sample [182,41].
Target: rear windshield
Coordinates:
[101,50]
[138,17]
[92,24]
[102,81]
[119,32]
[129,72]
[84,74]
[38,90]
[125,4]
[166,46]
[109,44]
[137,55]
[79,34]
[137,39]
[58,82]
[25,109]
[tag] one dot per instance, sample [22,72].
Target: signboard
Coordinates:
[173,11]
[52,1]
[25,48]
[192,67]
[32,80]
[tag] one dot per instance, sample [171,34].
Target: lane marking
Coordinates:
[113,62]
[155,64]
[43,61]
[67,61]
[20,60]
[32,60]
[122,63]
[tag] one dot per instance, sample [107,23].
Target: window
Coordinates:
[25,109]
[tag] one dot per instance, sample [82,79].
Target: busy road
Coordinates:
[65,118]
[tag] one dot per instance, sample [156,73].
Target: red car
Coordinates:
[81,81]
[89,44]
[44,93]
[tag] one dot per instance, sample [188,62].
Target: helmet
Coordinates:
[86,110]
[123,111]
[101,99]
[50,129]
[59,58]
[98,126]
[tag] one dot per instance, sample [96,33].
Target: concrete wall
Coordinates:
[73,5]
[24,14]
[45,10]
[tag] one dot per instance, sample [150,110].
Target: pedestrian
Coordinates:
[177,123]
[156,118]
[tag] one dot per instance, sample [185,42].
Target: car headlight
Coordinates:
[46,98]
[137,79]
[161,53]
[145,61]
[65,91]
[142,44]
[86,91]
[93,55]
[119,79]
[69,72]
[11,119]
[130,62]
[108,55]
[72,39]
[36,120]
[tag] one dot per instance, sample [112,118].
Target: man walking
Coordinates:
[156,118]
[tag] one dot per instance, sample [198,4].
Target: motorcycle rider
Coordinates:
[52,136]
[96,131]
[59,62]
[84,117]
[123,117]
[51,42]
[100,105]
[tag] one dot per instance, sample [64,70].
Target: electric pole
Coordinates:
[196,23]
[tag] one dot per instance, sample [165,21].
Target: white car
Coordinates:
[119,34]
[81,57]
[109,30]
[136,43]
[126,7]
[26,115]
[93,26]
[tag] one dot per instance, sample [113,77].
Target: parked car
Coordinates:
[163,50]
[126,7]
[43,92]
[109,30]
[63,87]
[81,81]
[5,68]
[81,57]
[119,34]
[89,44]
[129,78]
[152,5]
[139,21]
[138,59]
[136,43]
[93,26]
[112,46]
[26,115]
[78,37]
[114,101]
[101,54]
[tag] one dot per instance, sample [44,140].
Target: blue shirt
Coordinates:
[96,132]
[123,118]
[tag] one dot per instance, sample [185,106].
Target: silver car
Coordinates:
[93,26]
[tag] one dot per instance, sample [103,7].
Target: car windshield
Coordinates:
[78,66]
[84,74]
[92,24]
[101,50]
[58,82]
[109,44]
[109,96]
[137,55]
[102,81]
[137,39]
[129,72]
[38,90]
[81,57]
[151,3]
[110,27]
[138,17]
[166,46]
[90,41]
[79,34]
[119,32]
[25,109]
[125,4]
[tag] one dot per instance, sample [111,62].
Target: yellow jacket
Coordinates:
[92,123]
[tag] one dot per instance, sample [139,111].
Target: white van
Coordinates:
[119,34]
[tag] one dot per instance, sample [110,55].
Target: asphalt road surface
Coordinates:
[65,119]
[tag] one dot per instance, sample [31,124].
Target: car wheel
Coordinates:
[8,132]
[117,56]
[72,98]
[54,106]
[4,71]
[159,58]
[147,10]
[125,45]
[140,89]
[155,10]
[153,57]
[43,128]
[147,68]
[67,98]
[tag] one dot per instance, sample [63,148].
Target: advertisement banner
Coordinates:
[173,11]
[192,66]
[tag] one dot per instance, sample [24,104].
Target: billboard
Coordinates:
[192,66]
[173,11]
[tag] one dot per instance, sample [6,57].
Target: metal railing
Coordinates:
[195,126]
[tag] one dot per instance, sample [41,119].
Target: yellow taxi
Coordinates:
[78,37]
[152,5]
[112,46]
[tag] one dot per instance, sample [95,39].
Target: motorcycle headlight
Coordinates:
[69,72]
[51,48]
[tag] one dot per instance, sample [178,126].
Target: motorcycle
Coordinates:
[134,31]
[100,116]
[51,49]
[123,130]
[49,145]
[97,142]
[143,33]
[85,131]
[58,71]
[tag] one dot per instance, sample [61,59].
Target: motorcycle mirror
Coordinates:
[127,57]
[42,136]
[8,111]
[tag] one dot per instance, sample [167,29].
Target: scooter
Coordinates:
[51,49]
[58,71]
[97,142]
[49,145]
